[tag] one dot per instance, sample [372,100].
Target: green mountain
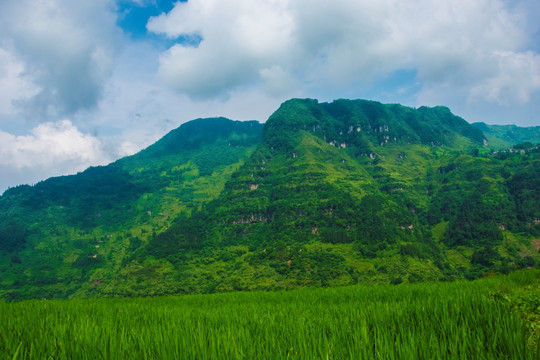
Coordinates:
[325,194]
[504,136]
[64,232]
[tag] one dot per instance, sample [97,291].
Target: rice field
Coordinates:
[461,320]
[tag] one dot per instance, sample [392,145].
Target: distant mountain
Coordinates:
[504,136]
[324,194]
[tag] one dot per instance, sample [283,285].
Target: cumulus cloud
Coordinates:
[238,43]
[13,84]
[515,76]
[51,144]
[65,47]
[50,149]
[477,48]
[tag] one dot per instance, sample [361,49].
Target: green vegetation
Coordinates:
[65,234]
[326,194]
[504,136]
[487,319]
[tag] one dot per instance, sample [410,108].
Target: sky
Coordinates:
[83,83]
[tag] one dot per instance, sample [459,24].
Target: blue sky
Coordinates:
[133,16]
[85,82]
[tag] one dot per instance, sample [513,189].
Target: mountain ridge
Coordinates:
[322,194]
[505,136]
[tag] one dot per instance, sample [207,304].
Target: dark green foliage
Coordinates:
[474,224]
[101,191]
[526,262]
[326,266]
[199,133]
[442,121]
[97,196]
[414,277]
[185,234]
[485,256]
[377,223]
[86,261]
[524,187]
[12,235]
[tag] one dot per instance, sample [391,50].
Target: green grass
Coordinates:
[461,320]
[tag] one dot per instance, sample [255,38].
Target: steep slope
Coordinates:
[345,192]
[318,159]
[57,235]
[325,194]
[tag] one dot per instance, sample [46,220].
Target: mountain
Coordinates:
[323,194]
[65,231]
[504,136]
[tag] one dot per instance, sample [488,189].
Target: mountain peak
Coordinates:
[368,123]
[203,131]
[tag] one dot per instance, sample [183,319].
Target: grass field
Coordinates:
[493,318]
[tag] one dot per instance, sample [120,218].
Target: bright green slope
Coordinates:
[505,136]
[331,194]
[348,192]
[61,235]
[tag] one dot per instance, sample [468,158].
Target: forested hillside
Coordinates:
[326,194]
[505,136]
[72,231]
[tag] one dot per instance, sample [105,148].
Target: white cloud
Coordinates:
[515,76]
[50,149]
[453,45]
[238,42]
[51,145]
[66,48]
[13,84]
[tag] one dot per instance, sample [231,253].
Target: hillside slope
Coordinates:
[355,191]
[326,194]
[505,136]
[66,232]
